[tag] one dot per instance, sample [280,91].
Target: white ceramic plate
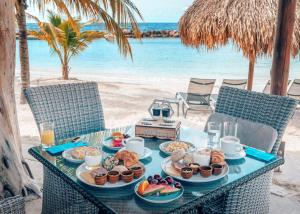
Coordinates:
[155,199]
[120,183]
[108,144]
[237,156]
[67,155]
[162,147]
[167,168]
[147,153]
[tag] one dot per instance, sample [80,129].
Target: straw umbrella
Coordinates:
[250,24]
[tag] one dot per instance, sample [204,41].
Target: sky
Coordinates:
[152,10]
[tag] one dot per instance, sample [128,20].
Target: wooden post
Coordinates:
[282,48]
[250,73]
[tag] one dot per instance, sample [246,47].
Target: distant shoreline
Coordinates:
[130,34]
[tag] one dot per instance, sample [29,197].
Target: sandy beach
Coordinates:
[126,101]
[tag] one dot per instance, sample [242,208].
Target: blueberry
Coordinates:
[150,178]
[154,181]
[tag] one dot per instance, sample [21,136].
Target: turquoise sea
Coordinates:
[159,57]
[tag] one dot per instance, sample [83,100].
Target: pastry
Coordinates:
[98,172]
[110,162]
[177,155]
[217,157]
[119,168]
[79,152]
[128,158]
[188,158]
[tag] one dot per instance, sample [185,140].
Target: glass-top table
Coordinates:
[123,200]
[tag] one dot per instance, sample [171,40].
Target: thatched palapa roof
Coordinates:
[249,23]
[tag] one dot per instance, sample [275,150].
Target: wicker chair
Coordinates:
[12,205]
[271,110]
[75,110]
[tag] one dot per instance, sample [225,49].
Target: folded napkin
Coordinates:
[62,147]
[259,154]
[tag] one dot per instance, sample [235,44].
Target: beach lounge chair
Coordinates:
[198,95]
[267,88]
[235,83]
[274,111]
[75,110]
[294,91]
[12,205]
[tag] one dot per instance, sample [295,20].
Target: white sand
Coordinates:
[126,100]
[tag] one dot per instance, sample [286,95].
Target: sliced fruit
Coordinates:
[153,189]
[169,190]
[142,187]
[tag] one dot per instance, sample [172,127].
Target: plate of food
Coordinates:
[115,141]
[76,155]
[117,170]
[158,190]
[172,146]
[197,167]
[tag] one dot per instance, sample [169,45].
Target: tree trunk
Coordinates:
[250,73]
[282,49]
[14,179]
[65,71]
[23,47]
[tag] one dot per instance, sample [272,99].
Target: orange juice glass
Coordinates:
[47,134]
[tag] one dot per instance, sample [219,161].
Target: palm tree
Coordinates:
[63,38]
[113,13]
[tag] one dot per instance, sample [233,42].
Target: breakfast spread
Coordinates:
[195,166]
[121,167]
[157,186]
[79,152]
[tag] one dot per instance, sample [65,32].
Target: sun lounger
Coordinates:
[235,83]
[198,95]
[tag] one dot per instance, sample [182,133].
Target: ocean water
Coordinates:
[154,58]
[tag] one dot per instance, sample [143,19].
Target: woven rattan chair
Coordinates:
[267,88]
[271,110]
[76,110]
[198,95]
[294,91]
[235,83]
[12,205]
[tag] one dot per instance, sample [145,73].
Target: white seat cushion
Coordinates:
[257,135]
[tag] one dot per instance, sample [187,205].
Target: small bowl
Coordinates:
[127,176]
[217,169]
[205,171]
[186,172]
[101,179]
[113,176]
[195,167]
[137,171]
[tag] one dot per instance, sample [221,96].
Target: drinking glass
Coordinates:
[93,158]
[166,112]
[230,129]
[47,134]
[214,132]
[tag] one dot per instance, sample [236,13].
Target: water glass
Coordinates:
[93,158]
[47,134]
[230,129]
[166,112]
[214,133]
